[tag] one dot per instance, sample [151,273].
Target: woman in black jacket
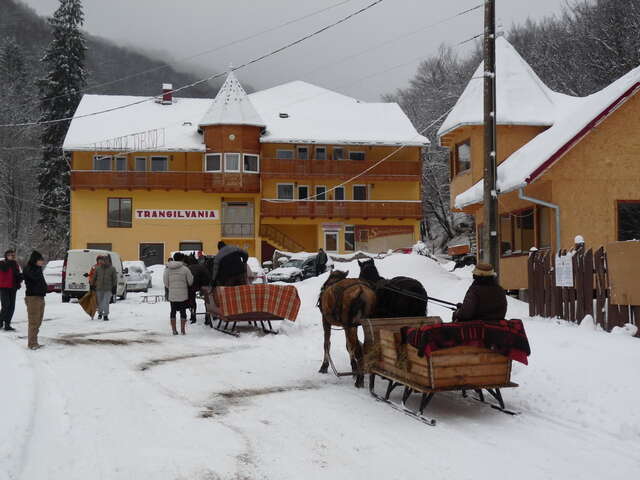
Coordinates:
[485,299]
[34,296]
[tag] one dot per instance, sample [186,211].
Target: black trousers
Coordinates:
[179,307]
[8,300]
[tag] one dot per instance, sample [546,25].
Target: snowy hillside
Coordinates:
[125,399]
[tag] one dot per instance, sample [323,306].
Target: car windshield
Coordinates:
[294,263]
[135,269]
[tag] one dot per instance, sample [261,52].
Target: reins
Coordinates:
[442,303]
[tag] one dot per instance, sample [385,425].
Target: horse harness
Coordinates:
[339,294]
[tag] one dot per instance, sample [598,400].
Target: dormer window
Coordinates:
[462,157]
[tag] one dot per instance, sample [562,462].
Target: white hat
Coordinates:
[578,239]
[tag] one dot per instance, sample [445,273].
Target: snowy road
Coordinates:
[124,400]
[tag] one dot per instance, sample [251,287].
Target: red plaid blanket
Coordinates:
[506,337]
[278,300]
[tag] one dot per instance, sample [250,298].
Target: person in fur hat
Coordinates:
[485,299]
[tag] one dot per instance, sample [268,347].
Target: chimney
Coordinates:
[167,95]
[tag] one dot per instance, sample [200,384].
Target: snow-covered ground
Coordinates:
[124,399]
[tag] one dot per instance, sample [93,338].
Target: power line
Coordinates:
[206,79]
[199,54]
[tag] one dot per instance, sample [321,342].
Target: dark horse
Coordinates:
[343,303]
[397,297]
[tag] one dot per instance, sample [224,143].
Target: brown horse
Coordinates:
[343,302]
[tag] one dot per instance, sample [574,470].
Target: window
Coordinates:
[159,164]
[331,241]
[360,192]
[303,192]
[213,162]
[119,213]
[285,191]
[102,163]
[628,220]
[231,162]
[121,164]
[463,157]
[321,153]
[284,154]
[338,153]
[544,227]
[100,246]
[356,155]
[349,238]
[251,163]
[191,246]
[339,193]
[321,192]
[141,164]
[303,153]
[517,233]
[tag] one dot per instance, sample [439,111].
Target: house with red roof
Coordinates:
[567,165]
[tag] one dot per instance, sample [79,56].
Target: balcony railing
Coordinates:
[210,182]
[342,209]
[389,170]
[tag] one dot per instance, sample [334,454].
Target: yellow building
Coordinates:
[567,166]
[294,167]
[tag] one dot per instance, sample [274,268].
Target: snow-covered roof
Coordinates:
[314,115]
[521,97]
[532,159]
[172,127]
[231,106]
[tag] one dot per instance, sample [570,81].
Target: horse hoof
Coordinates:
[359,383]
[323,370]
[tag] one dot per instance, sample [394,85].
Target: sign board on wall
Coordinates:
[144,214]
[623,263]
[564,271]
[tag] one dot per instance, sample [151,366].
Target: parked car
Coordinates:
[53,275]
[294,270]
[78,263]
[138,277]
[259,275]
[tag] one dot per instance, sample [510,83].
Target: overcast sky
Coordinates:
[176,30]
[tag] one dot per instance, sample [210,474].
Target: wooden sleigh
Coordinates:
[461,368]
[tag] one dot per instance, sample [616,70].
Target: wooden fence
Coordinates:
[589,295]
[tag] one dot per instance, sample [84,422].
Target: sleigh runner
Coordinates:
[252,305]
[389,355]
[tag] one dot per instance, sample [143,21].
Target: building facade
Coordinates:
[567,166]
[295,167]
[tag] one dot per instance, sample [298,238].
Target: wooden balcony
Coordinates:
[208,182]
[342,169]
[342,209]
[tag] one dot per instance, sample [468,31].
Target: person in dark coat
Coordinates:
[321,262]
[201,282]
[485,299]
[10,280]
[34,297]
[229,266]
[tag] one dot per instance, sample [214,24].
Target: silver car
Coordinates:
[138,277]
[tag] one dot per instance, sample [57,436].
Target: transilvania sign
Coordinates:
[142,214]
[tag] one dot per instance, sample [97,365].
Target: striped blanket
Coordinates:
[281,301]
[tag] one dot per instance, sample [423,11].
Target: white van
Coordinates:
[77,265]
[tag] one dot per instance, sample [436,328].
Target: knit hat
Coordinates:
[484,270]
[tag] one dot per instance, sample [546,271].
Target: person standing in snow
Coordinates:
[320,262]
[104,279]
[229,266]
[177,280]
[485,299]
[36,287]
[10,280]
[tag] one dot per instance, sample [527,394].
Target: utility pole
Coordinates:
[491,240]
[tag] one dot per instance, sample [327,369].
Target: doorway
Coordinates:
[152,253]
[331,241]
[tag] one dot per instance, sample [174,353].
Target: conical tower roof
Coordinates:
[231,106]
[522,98]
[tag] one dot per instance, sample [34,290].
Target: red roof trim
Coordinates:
[582,133]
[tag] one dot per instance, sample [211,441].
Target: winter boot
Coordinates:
[105,318]
[173,326]
[100,316]
[183,323]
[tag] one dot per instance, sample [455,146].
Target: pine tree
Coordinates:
[60,92]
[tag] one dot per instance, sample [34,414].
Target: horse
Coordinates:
[398,296]
[343,302]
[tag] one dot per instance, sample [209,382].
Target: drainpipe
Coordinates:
[537,201]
